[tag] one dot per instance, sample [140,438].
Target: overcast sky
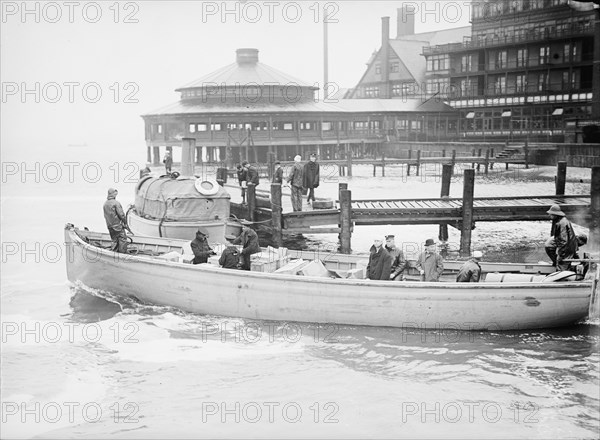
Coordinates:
[137,53]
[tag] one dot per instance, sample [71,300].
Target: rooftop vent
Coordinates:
[247,56]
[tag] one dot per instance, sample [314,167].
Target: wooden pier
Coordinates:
[265,210]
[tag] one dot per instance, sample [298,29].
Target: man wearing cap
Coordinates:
[278,173]
[429,263]
[398,260]
[251,173]
[470,272]
[116,222]
[200,248]
[296,181]
[249,241]
[311,177]
[168,161]
[242,177]
[380,262]
[562,244]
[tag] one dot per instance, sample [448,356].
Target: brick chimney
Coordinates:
[384,91]
[406,22]
[246,56]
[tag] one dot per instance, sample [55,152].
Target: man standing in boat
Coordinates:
[398,260]
[311,177]
[200,248]
[296,181]
[249,241]
[470,272]
[562,244]
[430,264]
[380,262]
[116,221]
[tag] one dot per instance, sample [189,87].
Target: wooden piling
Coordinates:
[526,151]
[445,192]
[408,164]
[156,152]
[594,240]
[349,160]
[561,177]
[346,221]
[453,163]
[491,155]
[473,155]
[486,165]
[276,214]
[251,200]
[467,212]
[478,163]
[418,161]
[382,164]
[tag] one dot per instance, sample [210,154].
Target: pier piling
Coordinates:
[595,210]
[276,213]
[346,221]
[445,192]
[467,212]
[561,177]
[251,199]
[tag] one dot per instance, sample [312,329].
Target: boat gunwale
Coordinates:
[419,285]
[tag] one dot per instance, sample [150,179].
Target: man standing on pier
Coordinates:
[430,263]
[295,179]
[251,173]
[116,221]
[562,244]
[278,173]
[311,177]
[168,161]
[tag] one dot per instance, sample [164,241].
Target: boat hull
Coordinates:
[207,289]
[216,230]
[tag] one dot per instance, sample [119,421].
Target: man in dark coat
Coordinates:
[249,240]
[278,173]
[242,177]
[311,177]
[201,248]
[168,161]
[430,264]
[251,173]
[380,262]
[398,260]
[562,244]
[470,272]
[230,258]
[116,222]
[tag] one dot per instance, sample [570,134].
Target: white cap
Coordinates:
[477,254]
[297,158]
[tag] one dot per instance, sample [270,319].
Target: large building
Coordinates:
[526,72]
[398,68]
[247,109]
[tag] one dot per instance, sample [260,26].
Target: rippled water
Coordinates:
[81,365]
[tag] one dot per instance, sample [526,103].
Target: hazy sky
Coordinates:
[137,53]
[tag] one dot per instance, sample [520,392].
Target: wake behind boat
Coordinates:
[150,276]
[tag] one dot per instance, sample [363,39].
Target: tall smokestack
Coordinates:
[406,21]
[385,55]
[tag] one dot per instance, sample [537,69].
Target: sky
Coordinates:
[79,72]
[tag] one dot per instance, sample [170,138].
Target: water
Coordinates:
[97,367]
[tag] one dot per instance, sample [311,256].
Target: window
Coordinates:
[394,67]
[542,82]
[377,68]
[544,54]
[500,85]
[565,83]
[327,126]
[437,62]
[501,57]
[201,127]
[465,64]
[397,90]
[159,128]
[306,125]
[215,127]
[371,92]
[288,125]
[192,128]
[522,57]
[566,52]
[520,83]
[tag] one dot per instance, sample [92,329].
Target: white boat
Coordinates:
[517,303]
[177,207]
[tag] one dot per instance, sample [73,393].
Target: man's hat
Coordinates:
[477,254]
[112,191]
[555,210]
[297,158]
[429,242]
[390,237]
[199,232]
[244,163]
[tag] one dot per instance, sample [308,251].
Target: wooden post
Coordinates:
[561,177]
[251,200]
[276,214]
[453,163]
[467,212]
[478,163]
[346,221]
[492,155]
[445,192]
[382,164]
[349,160]
[270,163]
[408,165]
[486,166]
[594,241]
[149,154]
[156,151]
[418,161]
[526,151]
[473,155]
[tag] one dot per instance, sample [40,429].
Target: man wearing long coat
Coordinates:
[380,262]
[311,177]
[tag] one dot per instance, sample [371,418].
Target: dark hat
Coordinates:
[387,237]
[199,232]
[277,163]
[429,242]
[555,210]
[582,239]
[244,163]
[238,166]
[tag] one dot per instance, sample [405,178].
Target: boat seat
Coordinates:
[495,277]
